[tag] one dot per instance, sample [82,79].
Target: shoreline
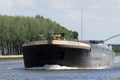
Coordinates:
[11,56]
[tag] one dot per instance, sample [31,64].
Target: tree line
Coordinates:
[116,49]
[15,30]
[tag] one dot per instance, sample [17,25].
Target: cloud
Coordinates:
[5,5]
[60,4]
[101,17]
[17,7]
[23,4]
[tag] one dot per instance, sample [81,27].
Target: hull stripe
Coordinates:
[57,42]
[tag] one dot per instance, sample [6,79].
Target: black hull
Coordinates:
[40,55]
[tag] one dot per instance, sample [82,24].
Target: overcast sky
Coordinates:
[101,18]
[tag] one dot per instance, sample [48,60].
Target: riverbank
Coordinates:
[11,56]
[117,53]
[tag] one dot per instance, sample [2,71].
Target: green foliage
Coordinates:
[117,53]
[116,49]
[75,35]
[14,30]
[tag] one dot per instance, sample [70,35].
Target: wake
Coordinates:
[53,67]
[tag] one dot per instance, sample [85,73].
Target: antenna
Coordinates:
[81,24]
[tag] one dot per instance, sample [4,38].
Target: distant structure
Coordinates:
[115,45]
[112,37]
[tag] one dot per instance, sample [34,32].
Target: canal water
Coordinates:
[13,69]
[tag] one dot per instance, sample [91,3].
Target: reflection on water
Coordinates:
[14,70]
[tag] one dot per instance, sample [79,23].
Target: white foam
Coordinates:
[59,67]
[53,67]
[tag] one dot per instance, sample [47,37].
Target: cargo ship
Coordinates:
[56,50]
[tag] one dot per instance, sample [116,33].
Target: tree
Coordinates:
[15,30]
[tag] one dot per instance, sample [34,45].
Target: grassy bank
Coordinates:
[117,53]
[11,57]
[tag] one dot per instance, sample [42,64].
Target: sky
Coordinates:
[100,18]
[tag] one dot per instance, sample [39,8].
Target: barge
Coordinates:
[56,50]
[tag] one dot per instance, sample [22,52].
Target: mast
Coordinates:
[81,24]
